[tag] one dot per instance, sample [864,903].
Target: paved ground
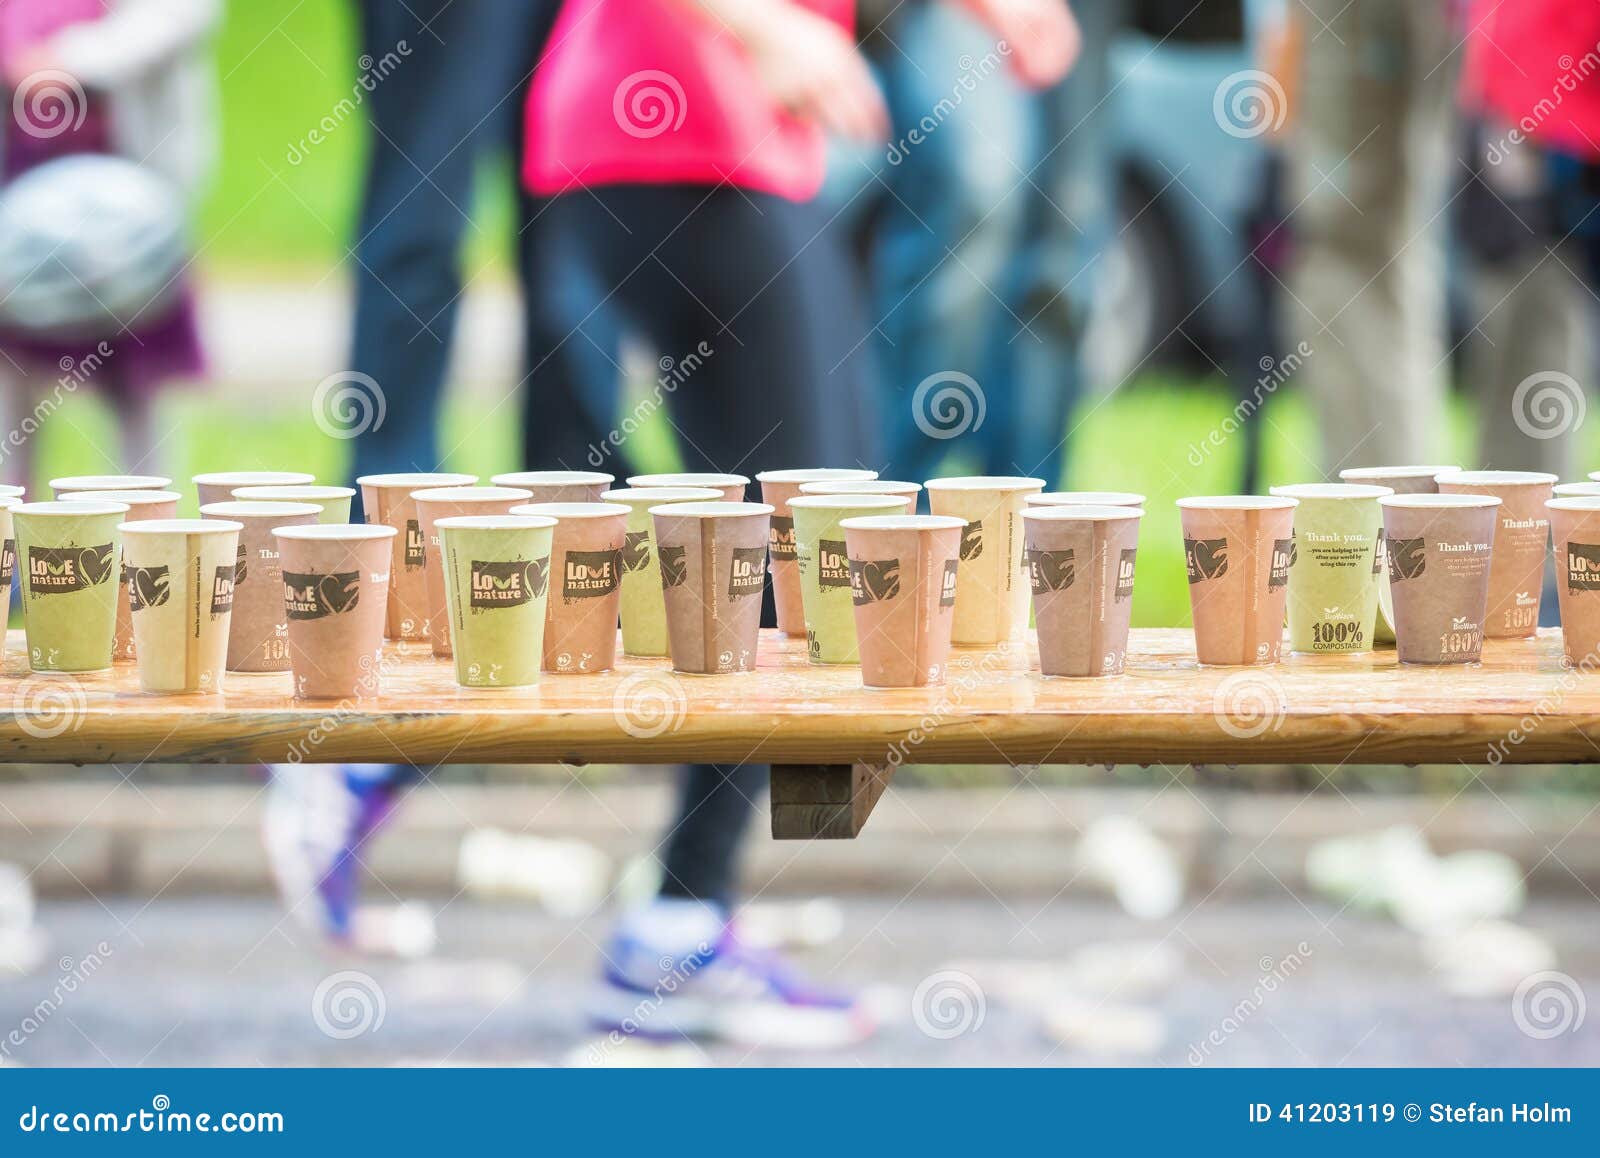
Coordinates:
[219,981]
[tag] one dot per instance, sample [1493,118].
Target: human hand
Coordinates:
[1042,36]
[813,67]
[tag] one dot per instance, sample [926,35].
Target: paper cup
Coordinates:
[180,590]
[258,641]
[713,568]
[386,499]
[580,630]
[1402,480]
[1438,549]
[1334,570]
[557,486]
[1575,526]
[333,502]
[644,609]
[993,604]
[443,503]
[141,505]
[335,595]
[68,556]
[877,486]
[8,544]
[732,486]
[1237,549]
[903,588]
[1080,569]
[1576,490]
[777,488]
[74,485]
[12,491]
[823,566]
[1521,544]
[218,486]
[1086,499]
[496,571]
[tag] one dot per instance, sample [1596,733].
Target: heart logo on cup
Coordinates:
[971,542]
[539,576]
[674,566]
[1408,558]
[875,580]
[148,587]
[636,551]
[339,593]
[94,563]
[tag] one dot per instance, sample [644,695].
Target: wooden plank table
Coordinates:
[834,744]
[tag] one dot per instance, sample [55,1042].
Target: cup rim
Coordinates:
[69,507]
[181,527]
[1086,499]
[416,481]
[683,479]
[1331,491]
[903,523]
[1423,501]
[300,491]
[985,482]
[862,487]
[495,522]
[13,490]
[1085,512]
[132,498]
[642,495]
[1358,473]
[1238,503]
[259,509]
[818,474]
[1574,503]
[473,494]
[521,478]
[110,482]
[559,511]
[865,502]
[9,501]
[337,532]
[254,478]
[1498,478]
[1577,489]
[722,510]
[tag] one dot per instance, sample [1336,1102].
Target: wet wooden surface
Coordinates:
[1520,706]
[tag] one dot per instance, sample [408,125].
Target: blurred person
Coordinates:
[681,145]
[130,78]
[993,209]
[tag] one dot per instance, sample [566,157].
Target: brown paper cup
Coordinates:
[218,486]
[259,638]
[1439,549]
[142,506]
[1402,480]
[556,486]
[386,499]
[1521,544]
[73,485]
[335,592]
[732,486]
[713,559]
[1086,499]
[1080,568]
[903,572]
[992,607]
[777,488]
[1575,526]
[1238,549]
[585,583]
[451,502]
[1584,490]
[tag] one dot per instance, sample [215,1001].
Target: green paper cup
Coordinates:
[141,505]
[69,554]
[180,590]
[824,568]
[1338,559]
[218,486]
[497,588]
[74,485]
[333,502]
[644,607]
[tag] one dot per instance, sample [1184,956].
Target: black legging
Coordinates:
[754,288]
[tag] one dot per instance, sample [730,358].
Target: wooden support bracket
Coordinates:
[825,801]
